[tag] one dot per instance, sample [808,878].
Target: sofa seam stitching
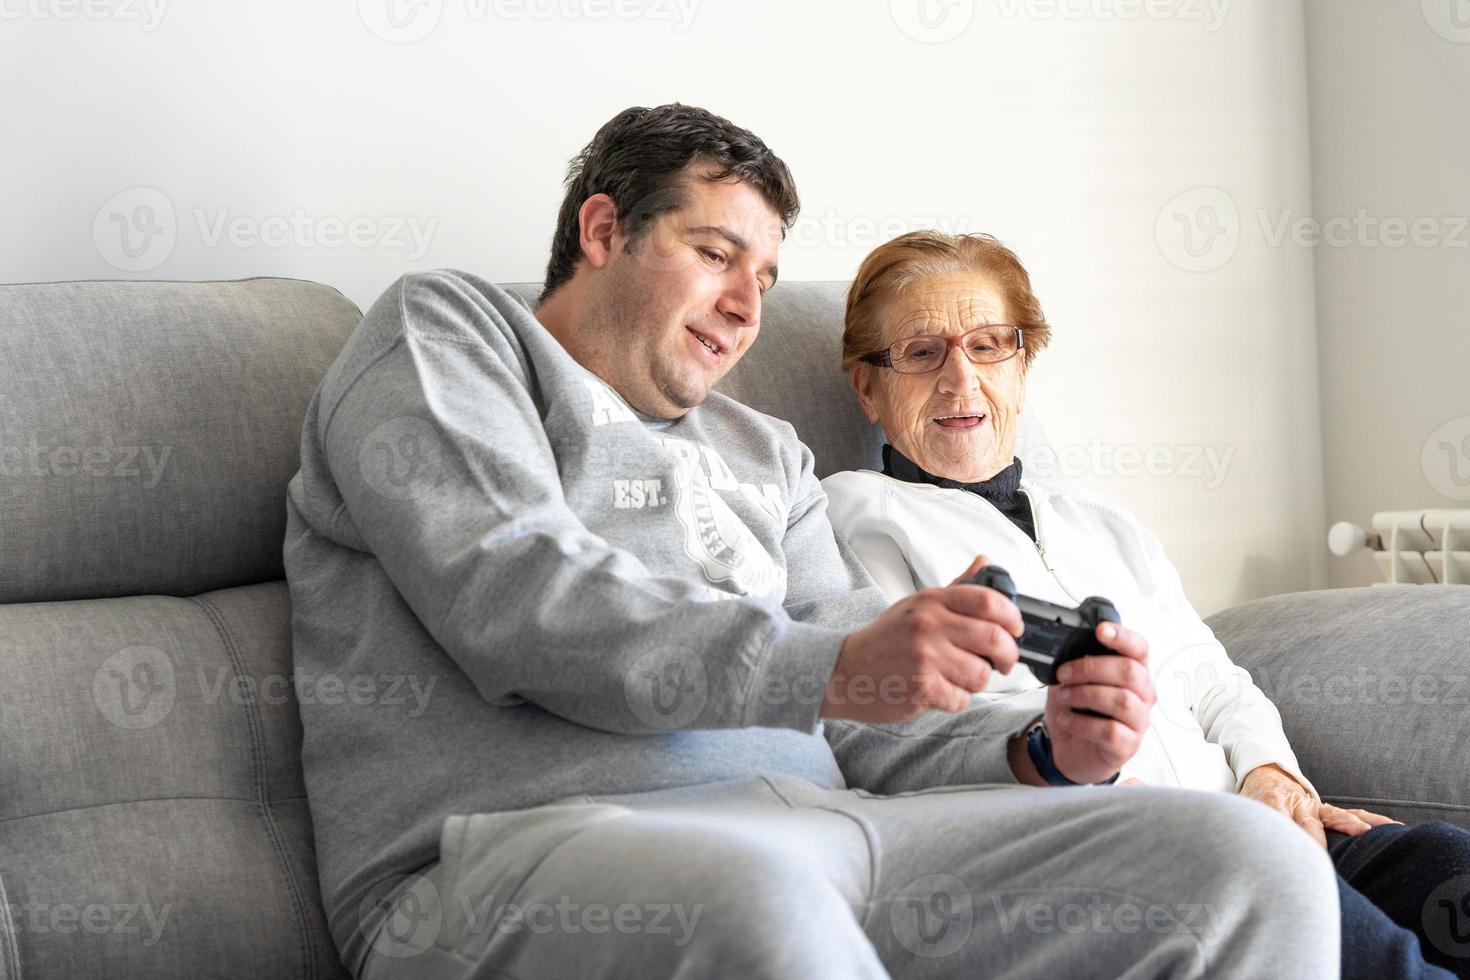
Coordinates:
[9,941]
[262,800]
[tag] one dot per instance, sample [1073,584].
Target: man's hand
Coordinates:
[1088,749]
[1273,786]
[933,649]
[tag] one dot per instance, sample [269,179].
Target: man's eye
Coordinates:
[711,254]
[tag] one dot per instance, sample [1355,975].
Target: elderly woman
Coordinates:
[941,333]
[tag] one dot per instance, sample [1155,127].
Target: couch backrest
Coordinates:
[153,820]
[148,429]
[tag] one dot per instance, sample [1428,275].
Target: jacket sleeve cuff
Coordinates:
[787,688]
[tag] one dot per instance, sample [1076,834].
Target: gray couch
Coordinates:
[153,821]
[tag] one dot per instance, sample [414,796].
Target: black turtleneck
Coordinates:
[1003,490]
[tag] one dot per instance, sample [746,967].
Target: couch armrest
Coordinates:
[1373,685]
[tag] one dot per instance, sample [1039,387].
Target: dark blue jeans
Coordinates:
[1405,894]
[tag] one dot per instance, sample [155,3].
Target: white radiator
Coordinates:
[1412,547]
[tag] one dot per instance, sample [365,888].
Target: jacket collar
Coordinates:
[1003,484]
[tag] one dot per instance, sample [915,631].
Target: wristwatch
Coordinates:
[1038,747]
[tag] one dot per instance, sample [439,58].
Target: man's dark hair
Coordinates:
[638,158]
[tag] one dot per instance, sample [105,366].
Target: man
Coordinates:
[671,728]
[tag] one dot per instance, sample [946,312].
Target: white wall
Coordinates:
[1390,87]
[1090,143]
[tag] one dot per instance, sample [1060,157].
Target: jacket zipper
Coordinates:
[1041,548]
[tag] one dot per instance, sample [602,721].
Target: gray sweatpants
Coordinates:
[774,877]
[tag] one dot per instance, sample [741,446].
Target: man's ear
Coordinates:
[862,383]
[598,221]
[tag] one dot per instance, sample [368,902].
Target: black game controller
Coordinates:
[1054,634]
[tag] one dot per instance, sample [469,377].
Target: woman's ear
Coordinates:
[862,383]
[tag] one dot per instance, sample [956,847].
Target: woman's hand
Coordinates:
[1271,785]
[1088,749]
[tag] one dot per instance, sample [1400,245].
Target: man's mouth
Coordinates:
[960,421]
[708,345]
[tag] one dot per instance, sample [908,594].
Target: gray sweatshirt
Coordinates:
[509,588]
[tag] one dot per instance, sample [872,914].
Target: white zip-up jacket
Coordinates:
[1211,725]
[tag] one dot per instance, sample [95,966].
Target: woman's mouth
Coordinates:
[960,421]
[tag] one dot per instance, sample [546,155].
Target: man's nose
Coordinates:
[741,302]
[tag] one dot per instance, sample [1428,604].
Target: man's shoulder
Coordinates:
[721,409]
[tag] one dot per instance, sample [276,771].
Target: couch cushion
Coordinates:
[148,430]
[153,819]
[1373,685]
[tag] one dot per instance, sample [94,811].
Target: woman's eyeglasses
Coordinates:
[989,344]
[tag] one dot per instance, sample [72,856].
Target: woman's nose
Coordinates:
[957,373]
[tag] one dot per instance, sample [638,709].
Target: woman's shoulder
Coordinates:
[1085,502]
